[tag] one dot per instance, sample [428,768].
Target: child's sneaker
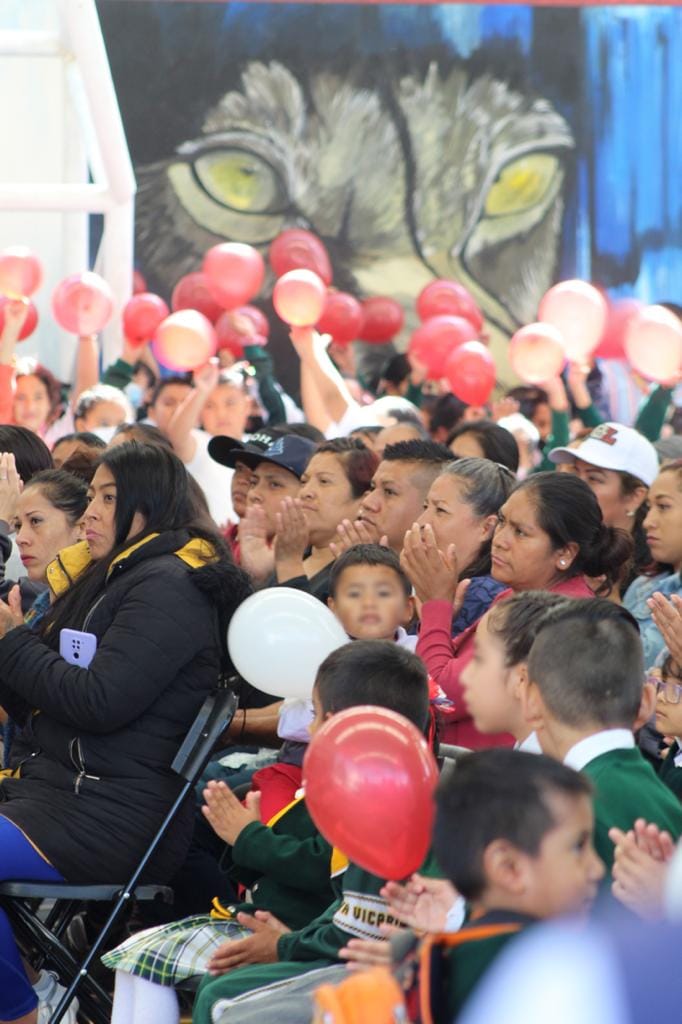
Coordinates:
[49,993]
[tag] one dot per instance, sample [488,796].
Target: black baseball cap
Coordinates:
[228,450]
[289,451]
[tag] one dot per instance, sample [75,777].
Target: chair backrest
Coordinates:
[214,717]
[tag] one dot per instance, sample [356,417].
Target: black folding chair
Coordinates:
[18,899]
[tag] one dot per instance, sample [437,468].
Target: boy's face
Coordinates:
[270,484]
[668,704]
[563,876]
[370,602]
[490,687]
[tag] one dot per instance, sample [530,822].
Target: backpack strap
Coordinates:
[432,949]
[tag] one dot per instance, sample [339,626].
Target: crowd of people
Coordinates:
[509,580]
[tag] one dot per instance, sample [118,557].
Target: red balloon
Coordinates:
[21,273]
[612,342]
[234,272]
[471,372]
[536,353]
[142,315]
[369,778]
[30,323]
[185,340]
[342,317]
[246,325]
[83,304]
[298,298]
[139,283]
[192,292]
[448,298]
[433,342]
[653,344]
[228,336]
[384,318]
[298,249]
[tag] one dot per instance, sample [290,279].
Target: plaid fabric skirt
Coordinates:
[171,953]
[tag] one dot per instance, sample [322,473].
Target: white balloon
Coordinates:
[279,637]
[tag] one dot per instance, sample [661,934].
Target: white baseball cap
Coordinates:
[613,446]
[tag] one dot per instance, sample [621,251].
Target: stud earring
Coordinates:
[562,563]
[630,514]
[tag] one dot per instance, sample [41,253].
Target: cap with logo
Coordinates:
[290,452]
[614,446]
[227,450]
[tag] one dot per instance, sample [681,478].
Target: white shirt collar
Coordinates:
[531,744]
[600,743]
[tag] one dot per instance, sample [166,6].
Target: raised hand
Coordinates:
[355,532]
[421,903]
[11,487]
[257,556]
[291,539]
[434,573]
[226,815]
[667,616]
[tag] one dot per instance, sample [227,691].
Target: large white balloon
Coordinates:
[278,639]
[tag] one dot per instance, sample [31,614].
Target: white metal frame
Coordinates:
[93,99]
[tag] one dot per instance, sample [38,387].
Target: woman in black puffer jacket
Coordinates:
[157,588]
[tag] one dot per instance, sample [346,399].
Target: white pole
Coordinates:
[116,252]
[30,44]
[86,197]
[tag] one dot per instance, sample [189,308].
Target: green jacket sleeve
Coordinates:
[267,384]
[319,940]
[652,415]
[590,416]
[414,394]
[118,375]
[559,437]
[302,862]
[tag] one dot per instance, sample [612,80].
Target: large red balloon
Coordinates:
[185,340]
[369,778]
[342,317]
[246,325]
[83,304]
[298,298]
[578,310]
[383,319]
[653,344]
[298,249]
[612,343]
[30,323]
[433,342]
[471,372]
[192,292]
[142,315]
[448,298]
[20,271]
[234,273]
[536,353]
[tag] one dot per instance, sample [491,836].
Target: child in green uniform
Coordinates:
[669,722]
[585,694]
[375,672]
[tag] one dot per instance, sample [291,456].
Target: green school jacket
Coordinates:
[287,865]
[626,788]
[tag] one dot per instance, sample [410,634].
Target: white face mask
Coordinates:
[105,433]
[135,394]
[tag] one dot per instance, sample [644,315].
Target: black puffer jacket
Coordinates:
[98,783]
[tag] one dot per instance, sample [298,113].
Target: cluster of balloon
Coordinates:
[382,319]
[284,627]
[653,344]
[142,316]
[246,325]
[447,342]
[83,303]
[342,317]
[536,353]
[185,340]
[21,275]
[303,270]
[366,773]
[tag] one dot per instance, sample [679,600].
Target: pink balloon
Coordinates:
[142,315]
[653,344]
[83,303]
[185,340]
[578,311]
[448,298]
[21,273]
[298,249]
[612,342]
[433,342]
[192,292]
[536,353]
[30,323]
[299,297]
[234,273]
[471,372]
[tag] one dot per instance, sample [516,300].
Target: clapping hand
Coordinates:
[434,573]
[11,487]
[257,557]
[291,539]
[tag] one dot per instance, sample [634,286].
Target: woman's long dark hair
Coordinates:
[149,480]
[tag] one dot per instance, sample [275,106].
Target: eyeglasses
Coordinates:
[671,691]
